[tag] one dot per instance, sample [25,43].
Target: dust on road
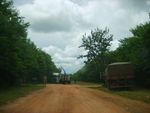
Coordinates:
[74,99]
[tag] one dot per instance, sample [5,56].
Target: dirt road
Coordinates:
[74,99]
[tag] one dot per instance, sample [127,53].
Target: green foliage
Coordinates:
[96,45]
[135,49]
[20,60]
[88,73]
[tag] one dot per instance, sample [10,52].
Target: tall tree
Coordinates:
[12,28]
[20,59]
[96,45]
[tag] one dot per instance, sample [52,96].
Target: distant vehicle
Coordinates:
[55,78]
[65,79]
[62,78]
[119,75]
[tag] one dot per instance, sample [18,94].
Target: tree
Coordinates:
[12,28]
[136,50]
[20,59]
[142,32]
[96,45]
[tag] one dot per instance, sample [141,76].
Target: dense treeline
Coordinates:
[135,49]
[20,60]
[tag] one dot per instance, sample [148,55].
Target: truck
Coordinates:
[119,75]
[64,78]
[61,77]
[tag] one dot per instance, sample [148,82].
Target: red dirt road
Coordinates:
[74,99]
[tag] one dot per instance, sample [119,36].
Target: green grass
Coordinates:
[135,94]
[139,94]
[11,94]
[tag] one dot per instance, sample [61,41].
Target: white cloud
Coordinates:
[57,26]
[66,57]
[50,16]
[148,2]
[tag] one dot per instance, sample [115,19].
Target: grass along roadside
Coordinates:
[135,94]
[11,94]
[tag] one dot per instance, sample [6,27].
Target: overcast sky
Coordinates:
[57,26]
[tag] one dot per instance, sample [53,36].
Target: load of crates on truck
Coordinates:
[119,75]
